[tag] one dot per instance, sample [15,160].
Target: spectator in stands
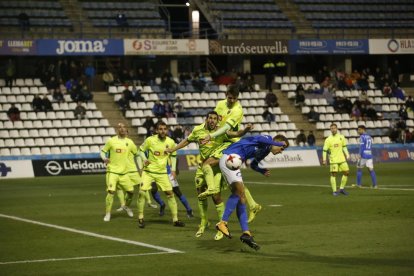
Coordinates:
[300,99]
[13,113]
[342,84]
[386,90]
[371,113]
[158,109]
[271,99]
[24,21]
[141,77]
[396,71]
[131,75]
[185,78]
[86,94]
[122,21]
[46,104]
[178,134]
[248,79]
[313,116]
[269,71]
[123,76]
[80,111]
[311,139]
[409,136]
[169,113]
[150,80]
[362,83]
[268,115]
[401,126]
[75,93]
[37,103]
[356,113]
[108,78]
[301,138]
[168,85]
[149,125]
[402,112]
[73,70]
[10,73]
[136,94]
[363,97]
[179,108]
[52,84]
[127,94]
[398,92]
[70,83]
[58,96]
[198,83]
[90,73]
[123,104]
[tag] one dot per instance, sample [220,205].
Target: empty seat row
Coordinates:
[58,141]
[51,115]
[354,124]
[57,107]
[15,90]
[63,132]
[17,125]
[294,79]
[49,150]
[292,87]
[118,5]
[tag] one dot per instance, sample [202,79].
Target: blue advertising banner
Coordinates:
[324,47]
[80,47]
[10,47]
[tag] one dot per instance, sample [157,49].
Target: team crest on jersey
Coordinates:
[157,153]
[336,145]
[118,150]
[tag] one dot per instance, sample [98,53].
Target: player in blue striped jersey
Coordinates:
[365,151]
[256,147]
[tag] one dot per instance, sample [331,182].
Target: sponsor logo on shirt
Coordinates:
[157,153]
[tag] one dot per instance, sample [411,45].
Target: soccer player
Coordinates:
[207,150]
[230,114]
[115,155]
[257,147]
[335,145]
[365,151]
[155,170]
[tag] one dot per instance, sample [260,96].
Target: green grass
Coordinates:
[311,233]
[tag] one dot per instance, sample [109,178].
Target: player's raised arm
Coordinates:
[240,133]
[181,145]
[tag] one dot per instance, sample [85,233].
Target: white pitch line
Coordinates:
[275,205]
[312,185]
[81,258]
[86,233]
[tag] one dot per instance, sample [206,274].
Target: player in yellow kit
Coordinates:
[335,145]
[230,114]
[115,154]
[155,170]
[206,150]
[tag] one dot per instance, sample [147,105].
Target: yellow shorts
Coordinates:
[339,167]
[218,152]
[135,178]
[122,181]
[200,181]
[162,180]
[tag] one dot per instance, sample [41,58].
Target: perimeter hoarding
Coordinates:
[391,46]
[16,47]
[80,47]
[327,47]
[165,47]
[16,169]
[248,47]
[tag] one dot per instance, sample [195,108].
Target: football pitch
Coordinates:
[54,226]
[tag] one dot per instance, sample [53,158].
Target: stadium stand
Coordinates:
[52,132]
[40,13]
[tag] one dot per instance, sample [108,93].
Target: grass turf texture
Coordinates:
[311,233]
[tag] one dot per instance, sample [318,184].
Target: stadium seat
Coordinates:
[25,151]
[65,150]
[35,151]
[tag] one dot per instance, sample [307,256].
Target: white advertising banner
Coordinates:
[16,169]
[391,46]
[166,47]
[291,158]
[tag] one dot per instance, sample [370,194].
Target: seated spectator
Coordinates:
[46,104]
[150,80]
[300,88]
[185,78]
[122,20]
[402,112]
[363,97]
[409,103]
[169,113]
[127,94]
[80,111]
[371,113]
[248,81]
[13,113]
[158,109]
[107,78]
[70,84]
[198,83]
[178,134]
[86,94]
[179,108]
[149,126]
[356,113]
[409,136]
[123,104]
[300,99]
[271,99]
[398,93]
[58,96]
[301,138]
[52,84]
[136,94]
[141,77]
[37,103]
[313,116]
[362,83]
[168,85]
[311,139]
[386,90]
[75,93]
[24,21]
[268,116]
